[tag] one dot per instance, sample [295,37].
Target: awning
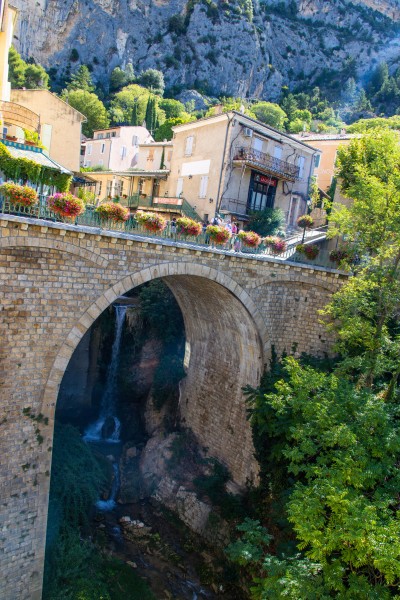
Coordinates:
[37,157]
[83,179]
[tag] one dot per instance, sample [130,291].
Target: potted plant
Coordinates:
[66,205]
[276,244]
[189,226]
[340,255]
[311,251]
[112,211]
[151,221]
[249,239]
[218,234]
[19,194]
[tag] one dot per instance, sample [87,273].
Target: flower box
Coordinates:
[311,251]
[276,244]
[218,234]
[112,211]
[66,205]
[249,238]
[19,194]
[189,226]
[151,221]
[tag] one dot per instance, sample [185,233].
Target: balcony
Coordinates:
[266,163]
[15,114]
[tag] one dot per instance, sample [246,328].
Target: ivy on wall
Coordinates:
[29,170]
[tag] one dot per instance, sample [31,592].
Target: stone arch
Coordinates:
[51,244]
[227,337]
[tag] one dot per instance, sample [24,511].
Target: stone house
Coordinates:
[232,164]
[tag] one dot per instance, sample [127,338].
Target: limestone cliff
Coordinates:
[236,47]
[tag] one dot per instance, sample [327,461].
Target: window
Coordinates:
[89,149]
[100,136]
[123,151]
[257,144]
[262,192]
[103,147]
[87,163]
[317,160]
[113,134]
[189,145]
[278,152]
[99,186]
[301,166]
[179,187]
[203,186]
[108,135]
[135,140]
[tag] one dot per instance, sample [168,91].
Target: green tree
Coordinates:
[172,108]
[289,106]
[121,77]
[152,80]
[164,131]
[270,114]
[89,105]
[27,75]
[266,222]
[123,103]
[81,80]
[16,68]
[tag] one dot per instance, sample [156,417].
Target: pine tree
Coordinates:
[81,80]
[134,119]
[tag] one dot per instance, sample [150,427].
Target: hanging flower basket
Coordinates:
[249,239]
[276,244]
[189,226]
[311,251]
[66,205]
[19,194]
[151,221]
[305,221]
[111,211]
[218,234]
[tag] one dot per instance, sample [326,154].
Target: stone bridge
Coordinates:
[57,279]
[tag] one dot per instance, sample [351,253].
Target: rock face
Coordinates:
[241,47]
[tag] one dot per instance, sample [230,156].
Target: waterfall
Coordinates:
[107,407]
[107,505]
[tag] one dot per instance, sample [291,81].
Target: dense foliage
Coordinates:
[327,435]
[266,222]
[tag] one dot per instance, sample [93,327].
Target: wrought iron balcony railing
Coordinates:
[276,166]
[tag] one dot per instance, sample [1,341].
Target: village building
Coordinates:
[231,164]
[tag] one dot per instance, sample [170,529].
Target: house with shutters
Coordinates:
[231,164]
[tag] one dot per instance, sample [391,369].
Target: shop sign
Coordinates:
[266,180]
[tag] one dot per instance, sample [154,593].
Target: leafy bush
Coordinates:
[266,222]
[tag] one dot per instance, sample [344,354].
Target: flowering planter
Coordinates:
[219,235]
[305,221]
[339,255]
[250,239]
[111,211]
[19,194]
[66,205]
[188,226]
[153,222]
[276,244]
[310,251]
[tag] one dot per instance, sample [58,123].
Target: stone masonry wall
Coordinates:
[57,279]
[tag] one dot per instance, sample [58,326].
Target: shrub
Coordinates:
[19,194]
[311,251]
[218,234]
[250,238]
[151,221]
[189,226]
[276,244]
[66,204]
[305,221]
[113,212]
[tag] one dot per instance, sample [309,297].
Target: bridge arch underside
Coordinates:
[223,354]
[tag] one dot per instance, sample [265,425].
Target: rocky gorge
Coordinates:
[248,48]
